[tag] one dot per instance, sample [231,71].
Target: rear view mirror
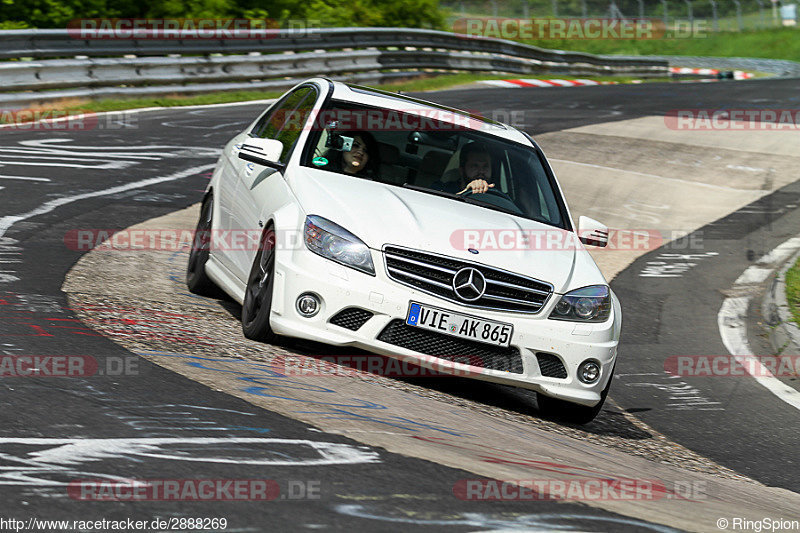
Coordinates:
[265,152]
[592,232]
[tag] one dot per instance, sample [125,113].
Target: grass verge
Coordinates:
[434,82]
[775,43]
[793,291]
[99,106]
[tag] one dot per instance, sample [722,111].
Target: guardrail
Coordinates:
[58,64]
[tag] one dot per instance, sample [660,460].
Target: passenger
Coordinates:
[363,159]
[475,171]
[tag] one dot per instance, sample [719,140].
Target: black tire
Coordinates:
[196,279]
[258,294]
[569,412]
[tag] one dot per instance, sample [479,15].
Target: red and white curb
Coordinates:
[512,84]
[547,83]
[737,74]
[700,71]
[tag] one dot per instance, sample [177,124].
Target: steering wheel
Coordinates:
[498,199]
[494,191]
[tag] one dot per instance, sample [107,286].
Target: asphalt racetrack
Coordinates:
[170,404]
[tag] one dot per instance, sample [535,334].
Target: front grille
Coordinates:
[351,318]
[451,348]
[434,274]
[551,366]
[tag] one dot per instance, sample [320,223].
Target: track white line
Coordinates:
[7,221]
[731,320]
[27,125]
[23,178]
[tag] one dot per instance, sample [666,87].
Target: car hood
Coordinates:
[381,214]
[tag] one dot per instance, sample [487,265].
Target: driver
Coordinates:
[475,169]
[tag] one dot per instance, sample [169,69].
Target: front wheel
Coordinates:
[197,280]
[258,295]
[571,412]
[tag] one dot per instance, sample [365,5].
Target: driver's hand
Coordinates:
[479,186]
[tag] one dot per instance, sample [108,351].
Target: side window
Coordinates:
[293,126]
[258,129]
[285,122]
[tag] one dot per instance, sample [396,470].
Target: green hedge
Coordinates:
[58,13]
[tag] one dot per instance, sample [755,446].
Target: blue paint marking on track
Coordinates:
[340,411]
[247,428]
[393,421]
[259,391]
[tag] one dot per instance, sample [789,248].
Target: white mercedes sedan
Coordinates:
[357,217]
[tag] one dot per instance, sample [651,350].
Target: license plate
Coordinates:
[459,325]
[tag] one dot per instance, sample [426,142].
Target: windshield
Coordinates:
[434,156]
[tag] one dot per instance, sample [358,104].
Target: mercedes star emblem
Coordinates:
[469,284]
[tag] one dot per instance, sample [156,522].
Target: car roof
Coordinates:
[401,102]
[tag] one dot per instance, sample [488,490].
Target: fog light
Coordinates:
[308,304]
[589,371]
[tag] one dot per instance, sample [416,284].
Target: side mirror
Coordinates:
[592,232]
[265,152]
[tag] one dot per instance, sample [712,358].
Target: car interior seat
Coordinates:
[432,167]
[388,170]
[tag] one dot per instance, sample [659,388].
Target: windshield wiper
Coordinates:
[466,200]
[454,196]
[494,207]
[462,198]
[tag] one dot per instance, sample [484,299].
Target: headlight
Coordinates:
[588,304]
[333,242]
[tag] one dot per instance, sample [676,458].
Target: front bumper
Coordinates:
[300,271]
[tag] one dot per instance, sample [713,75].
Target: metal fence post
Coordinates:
[761,23]
[738,14]
[666,15]
[526,9]
[641,9]
[494,7]
[584,9]
[690,15]
[715,23]
[555,8]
